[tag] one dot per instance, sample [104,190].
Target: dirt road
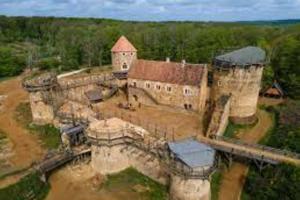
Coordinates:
[234,179]
[26,146]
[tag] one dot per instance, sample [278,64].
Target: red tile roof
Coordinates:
[167,72]
[123,45]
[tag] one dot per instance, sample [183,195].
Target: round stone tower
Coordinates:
[123,54]
[238,74]
[42,97]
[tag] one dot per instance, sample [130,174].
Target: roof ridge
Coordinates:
[123,45]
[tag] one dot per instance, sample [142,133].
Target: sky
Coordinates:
[157,10]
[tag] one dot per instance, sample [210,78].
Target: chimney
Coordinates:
[167,59]
[183,62]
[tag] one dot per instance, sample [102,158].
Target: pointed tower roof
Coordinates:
[123,45]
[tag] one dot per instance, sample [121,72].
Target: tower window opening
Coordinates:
[125,66]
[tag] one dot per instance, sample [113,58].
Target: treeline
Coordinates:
[282,181]
[68,43]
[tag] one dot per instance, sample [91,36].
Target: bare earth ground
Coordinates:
[26,147]
[182,124]
[234,179]
[79,182]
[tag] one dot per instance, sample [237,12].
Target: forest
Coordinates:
[282,181]
[64,44]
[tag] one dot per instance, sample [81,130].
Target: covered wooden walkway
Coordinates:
[251,151]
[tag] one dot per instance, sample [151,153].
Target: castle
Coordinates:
[236,74]
[177,86]
[226,89]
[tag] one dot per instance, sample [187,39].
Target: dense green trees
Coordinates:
[278,182]
[68,43]
[10,63]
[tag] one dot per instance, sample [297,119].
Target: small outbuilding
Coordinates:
[94,96]
[274,91]
[72,135]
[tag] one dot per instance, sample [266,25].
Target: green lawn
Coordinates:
[232,129]
[28,188]
[131,178]
[49,135]
[215,185]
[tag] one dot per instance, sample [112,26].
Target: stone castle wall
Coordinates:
[220,117]
[151,93]
[109,160]
[189,189]
[42,112]
[78,93]
[121,58]
[243,85]
[75,88]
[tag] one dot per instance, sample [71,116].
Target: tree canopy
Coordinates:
[68,43]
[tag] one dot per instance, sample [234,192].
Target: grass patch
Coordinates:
[215,185]
[130,178]
[29,187]
[268,135]
[2,135]
[6,78]
[13,172]
[48,134]
[232,129]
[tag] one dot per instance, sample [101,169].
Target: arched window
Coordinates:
[125,66]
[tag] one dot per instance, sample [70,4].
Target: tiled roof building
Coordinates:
[167,72]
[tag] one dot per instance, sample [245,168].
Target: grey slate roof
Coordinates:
[69,130]
[193,153]
[94,95]
[245,56]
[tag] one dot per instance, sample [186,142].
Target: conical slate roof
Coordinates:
[245,56]
[123,45]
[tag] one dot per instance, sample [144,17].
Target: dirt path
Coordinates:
[26,147]
[79,182]
[234,179]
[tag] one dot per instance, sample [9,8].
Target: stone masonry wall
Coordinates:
[189,189]
[42,113]
[220,118]
[243,85]
[119,58]
[177,97]
[109,160]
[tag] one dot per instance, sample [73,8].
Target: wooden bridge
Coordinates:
[58,160]
[256,152]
